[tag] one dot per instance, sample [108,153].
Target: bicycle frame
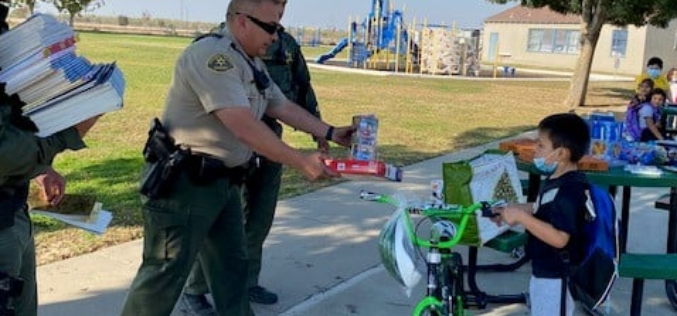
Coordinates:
[438,297]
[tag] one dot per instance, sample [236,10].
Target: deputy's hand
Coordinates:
[315,169]
[323,146]
[52,186]
[343,135]
[84,126]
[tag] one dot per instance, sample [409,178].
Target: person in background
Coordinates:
[654,70]
[672,81]
[650,116]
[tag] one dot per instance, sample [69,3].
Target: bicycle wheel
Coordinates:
[429,306]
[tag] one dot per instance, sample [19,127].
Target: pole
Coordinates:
[496,57]
[397,47]
[422,46]
[351,60]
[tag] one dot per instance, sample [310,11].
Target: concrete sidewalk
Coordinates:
[322,259]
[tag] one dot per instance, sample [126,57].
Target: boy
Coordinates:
[654,68]
[553,222]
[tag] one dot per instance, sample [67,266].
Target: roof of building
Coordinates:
[521,14]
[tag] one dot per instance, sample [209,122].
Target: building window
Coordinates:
[619,42]
[558,41]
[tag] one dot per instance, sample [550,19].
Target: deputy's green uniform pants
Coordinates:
[17,256]
[260,197]
[196,219]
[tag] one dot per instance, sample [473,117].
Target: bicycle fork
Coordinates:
[436,286]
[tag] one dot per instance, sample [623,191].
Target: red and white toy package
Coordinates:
[363,158]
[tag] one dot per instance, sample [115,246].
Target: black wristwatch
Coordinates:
[330,133]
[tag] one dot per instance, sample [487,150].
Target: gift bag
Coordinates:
[488,177]
[398,253]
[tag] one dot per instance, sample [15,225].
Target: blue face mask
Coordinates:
[653,73]
[542,166]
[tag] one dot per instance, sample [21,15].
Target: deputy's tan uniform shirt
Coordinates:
[211,75]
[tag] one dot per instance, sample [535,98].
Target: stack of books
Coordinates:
[58,88]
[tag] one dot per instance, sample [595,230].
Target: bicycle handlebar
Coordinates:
[445,211]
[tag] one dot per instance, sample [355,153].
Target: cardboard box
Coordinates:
[590,163]
[370,169]
[524,148]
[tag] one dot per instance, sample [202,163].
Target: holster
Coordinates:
[12,199]
[166,161]
[9,288]
[203,170]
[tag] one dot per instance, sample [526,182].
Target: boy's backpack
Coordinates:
[590,280]
[632,120]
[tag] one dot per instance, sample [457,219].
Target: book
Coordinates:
[81,211]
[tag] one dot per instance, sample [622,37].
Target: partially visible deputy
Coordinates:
[23,157]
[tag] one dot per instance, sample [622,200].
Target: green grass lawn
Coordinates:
[419,119]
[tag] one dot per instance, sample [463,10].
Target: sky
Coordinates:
[312,13]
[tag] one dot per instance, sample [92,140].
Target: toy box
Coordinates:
[365,168]
[606,136]
[363,145]
[525,149]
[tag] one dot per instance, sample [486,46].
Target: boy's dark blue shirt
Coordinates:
[561,202]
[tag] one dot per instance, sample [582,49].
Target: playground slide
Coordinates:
[337,49]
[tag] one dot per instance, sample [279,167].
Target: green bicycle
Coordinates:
[445,292]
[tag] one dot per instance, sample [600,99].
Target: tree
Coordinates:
[30,4]
[74,7]
[594,15]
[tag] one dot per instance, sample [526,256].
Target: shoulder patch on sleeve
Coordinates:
[219,63]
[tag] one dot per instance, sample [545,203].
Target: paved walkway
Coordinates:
[322,259]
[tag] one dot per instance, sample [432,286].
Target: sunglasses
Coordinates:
[270,28]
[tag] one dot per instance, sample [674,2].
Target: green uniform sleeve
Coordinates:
[301,77]
[24,155]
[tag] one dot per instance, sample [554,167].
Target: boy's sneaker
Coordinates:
[261,295]
[195,305]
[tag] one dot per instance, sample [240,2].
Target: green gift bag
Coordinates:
[490,176]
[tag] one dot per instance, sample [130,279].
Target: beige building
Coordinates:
[544,38]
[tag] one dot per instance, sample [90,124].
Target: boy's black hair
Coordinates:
[567,130]
[658,91]
[655,61]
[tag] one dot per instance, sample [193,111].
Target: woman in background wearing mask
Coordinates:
[654,69]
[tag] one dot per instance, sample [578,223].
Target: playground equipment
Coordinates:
[382,41]
[382,32]
[449,51]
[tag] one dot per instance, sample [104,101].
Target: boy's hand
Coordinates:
[496,209]
[510,215]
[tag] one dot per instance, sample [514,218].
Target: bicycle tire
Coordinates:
[429,306]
